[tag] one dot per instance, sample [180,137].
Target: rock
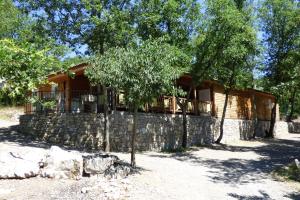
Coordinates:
[98,163]
[62,164]
[118,170]
[297,163]
[14,165]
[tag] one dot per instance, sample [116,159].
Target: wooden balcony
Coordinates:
[91,102]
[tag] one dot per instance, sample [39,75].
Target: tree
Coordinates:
[143,72]
[179,22]
[10,20]
[26,58]
[281,27]
[227,47]
[174,19]
[24,67]
[99,25]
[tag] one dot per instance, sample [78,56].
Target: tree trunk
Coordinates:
[254,115]
[106,121]
[292,102]
[270,133]
[218,141]
[133,163]
[184,125]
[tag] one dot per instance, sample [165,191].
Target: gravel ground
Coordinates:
[237,171]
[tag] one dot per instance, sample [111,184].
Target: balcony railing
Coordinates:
[169,104]
[40,101]
[92,102]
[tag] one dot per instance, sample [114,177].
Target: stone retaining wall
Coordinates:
[294,127]
[85,130]
[154,131]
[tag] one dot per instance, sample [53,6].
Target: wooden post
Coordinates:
[253,115]
[195,102]
[212,97]
[173,104]
[68,95]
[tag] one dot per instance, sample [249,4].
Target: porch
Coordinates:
[88,101]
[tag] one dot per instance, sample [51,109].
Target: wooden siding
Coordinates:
[238,107]
[240,104]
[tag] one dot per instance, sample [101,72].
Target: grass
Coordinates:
[289,172]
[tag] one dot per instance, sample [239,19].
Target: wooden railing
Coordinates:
[41,101]
[169,104]
[86,101]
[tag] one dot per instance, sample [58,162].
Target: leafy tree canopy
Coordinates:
[227,47]
[24,67]
[281,24]
[143,72]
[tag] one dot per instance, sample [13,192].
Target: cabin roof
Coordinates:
[79,70]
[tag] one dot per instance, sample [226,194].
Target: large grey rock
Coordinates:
[119,169]
[64,164]
[98,163]
[17,165]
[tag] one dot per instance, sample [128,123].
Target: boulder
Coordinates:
[60,163]
[98,163]
[16,165]
[119,169]
[297,163]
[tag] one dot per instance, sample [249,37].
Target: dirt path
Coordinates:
[238,171]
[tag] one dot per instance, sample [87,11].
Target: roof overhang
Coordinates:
[62,76]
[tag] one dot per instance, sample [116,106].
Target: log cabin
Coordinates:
[77,95]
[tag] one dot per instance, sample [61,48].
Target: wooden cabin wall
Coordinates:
[80,83]
[264,107]
[238,107]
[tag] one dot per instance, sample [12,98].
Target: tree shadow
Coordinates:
[263,196]
[13,134]
[293,196]
[273,154]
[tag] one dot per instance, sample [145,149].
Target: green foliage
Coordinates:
[24,67]
[99,24]
[142,72]
[281,24]
[280,21]
[27,55]
[177,20]
[290,172]
[115,23]
[227,47]
[9,19]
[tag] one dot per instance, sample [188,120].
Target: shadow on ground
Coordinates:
[238,171]
[263,196]
[11,134]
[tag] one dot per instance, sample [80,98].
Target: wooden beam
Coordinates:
[195,102]
[173,104]
[68,94]
[212,97]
